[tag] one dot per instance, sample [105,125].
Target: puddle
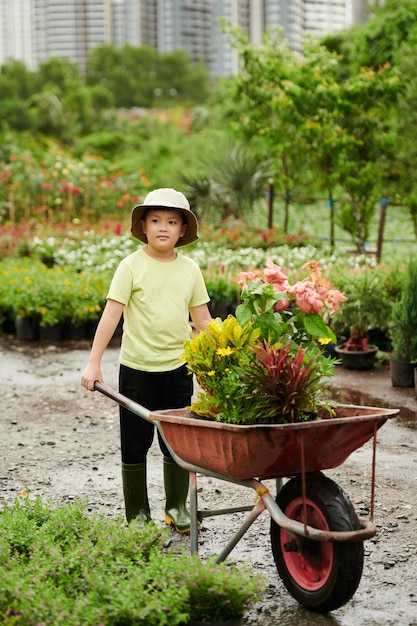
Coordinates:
[407,417]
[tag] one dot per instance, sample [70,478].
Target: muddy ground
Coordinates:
[61,442]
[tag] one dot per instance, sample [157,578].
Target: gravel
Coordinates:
[61,442]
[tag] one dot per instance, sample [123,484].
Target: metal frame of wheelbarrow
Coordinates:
[263,500]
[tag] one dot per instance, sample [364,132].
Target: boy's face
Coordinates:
[163,227]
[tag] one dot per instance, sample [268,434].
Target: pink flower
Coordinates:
[334,299]
[275,276]
[281,305]
[315,271]
[307,298]
[243,278]
[316,277]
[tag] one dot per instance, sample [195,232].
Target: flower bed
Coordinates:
[49,296]
[66,277]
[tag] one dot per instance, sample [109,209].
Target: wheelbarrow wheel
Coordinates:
[322,576]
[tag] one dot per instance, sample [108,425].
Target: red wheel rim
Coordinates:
[311,565]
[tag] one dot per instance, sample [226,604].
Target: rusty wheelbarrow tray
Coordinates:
[269,450]
[248,454]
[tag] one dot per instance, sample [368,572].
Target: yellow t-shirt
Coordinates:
[157,297]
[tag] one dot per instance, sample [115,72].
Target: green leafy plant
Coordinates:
[279,382]
[403,330]
[66,566]
[221,283]
[50,295]
[213,357]
[266,365]
[80,265]
[219,594]
[32,290]
[368,307]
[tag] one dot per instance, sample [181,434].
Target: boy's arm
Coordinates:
[105,331]
[201,316]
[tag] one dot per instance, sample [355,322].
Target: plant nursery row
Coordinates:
[55,287]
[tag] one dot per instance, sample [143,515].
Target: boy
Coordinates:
[156,289]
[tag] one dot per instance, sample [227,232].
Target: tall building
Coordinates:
[194,24]
[324,16]
[69,29]
[34,30]
[16,30]
[290,17]
[131,21]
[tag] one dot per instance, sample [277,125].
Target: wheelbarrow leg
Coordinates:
[279,483]
[193,514]
[254,513]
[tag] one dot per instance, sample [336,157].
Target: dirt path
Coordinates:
[61,442]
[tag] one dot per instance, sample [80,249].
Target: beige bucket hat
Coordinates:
[166,198]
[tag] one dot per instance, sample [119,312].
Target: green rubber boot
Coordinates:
[176,480]
[135,492]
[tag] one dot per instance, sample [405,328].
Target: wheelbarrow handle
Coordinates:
[136,408]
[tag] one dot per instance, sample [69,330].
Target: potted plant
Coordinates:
[368,307]
[36,298]
[223,290]
[403,331]
[266,365]
[41,302]
[86,299]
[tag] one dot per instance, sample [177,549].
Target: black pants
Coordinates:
[154,391]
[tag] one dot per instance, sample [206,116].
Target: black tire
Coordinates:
[322,576]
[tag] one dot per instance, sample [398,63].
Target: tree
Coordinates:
[404,124]
[142,77]
[47,110]
[390,27]
[58,75]
[16,86]
[80,103]
[101,98]
[125,72]
[266,83]
[14,114]
[16,81]
[313,120]
[180,79]
[390,36]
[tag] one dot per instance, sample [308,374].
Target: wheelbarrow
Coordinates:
[316,535]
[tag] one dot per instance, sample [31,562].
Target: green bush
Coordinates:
[370,294]
[65,566]
[404,318]
[50,295]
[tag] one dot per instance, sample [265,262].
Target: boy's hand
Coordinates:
[90,375]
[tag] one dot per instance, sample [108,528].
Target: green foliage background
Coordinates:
[337,124]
